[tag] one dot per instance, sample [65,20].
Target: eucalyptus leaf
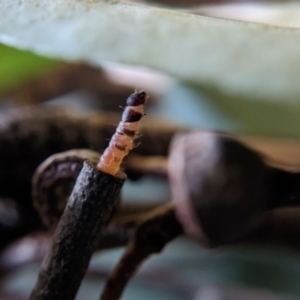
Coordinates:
[210,110]
[254,60]
[282,13]
[17,66]
[234,61]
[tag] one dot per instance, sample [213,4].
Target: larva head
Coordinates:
[136,99]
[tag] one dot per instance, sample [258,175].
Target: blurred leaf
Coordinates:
[250,71]
[250,59]
[210,110]
[18,66]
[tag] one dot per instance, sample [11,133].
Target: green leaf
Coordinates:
[249,70]
[19,66]
[252,59]
[210,110]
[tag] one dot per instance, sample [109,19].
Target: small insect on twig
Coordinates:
[123,140]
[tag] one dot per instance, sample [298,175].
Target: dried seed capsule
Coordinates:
[219,187]
[123,140]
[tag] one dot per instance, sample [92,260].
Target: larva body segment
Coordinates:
[123,140]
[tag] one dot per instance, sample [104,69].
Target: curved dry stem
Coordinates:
[158,228]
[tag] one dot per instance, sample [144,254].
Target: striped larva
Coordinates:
[123,140]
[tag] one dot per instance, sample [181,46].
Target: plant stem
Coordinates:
[159,228]
[89,209]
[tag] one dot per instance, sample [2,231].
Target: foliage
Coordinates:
[18,66]
[248,71]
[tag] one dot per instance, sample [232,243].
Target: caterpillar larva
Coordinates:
[123,140]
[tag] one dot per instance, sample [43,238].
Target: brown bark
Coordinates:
[30,135]
[76,237]
[68,78]
[158,228]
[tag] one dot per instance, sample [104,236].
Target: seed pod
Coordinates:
[219,187]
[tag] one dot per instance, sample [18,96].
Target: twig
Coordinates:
[137,166]
[151,237]
[284,188]
[280,227]
[135,215]
[89,208]
[53,180]
[135,207]
[68,78]
[38,132]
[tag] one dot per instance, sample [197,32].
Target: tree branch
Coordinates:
[156,230]
[76,237]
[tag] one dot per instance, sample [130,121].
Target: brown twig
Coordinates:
[35,133]
[151,236]
[219,187]
[137,166]
[68,78]
[54,179]
[76,237]
[284,188]
[280,227]
[38,132]
[135,207]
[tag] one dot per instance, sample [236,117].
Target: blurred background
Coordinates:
[184,270]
